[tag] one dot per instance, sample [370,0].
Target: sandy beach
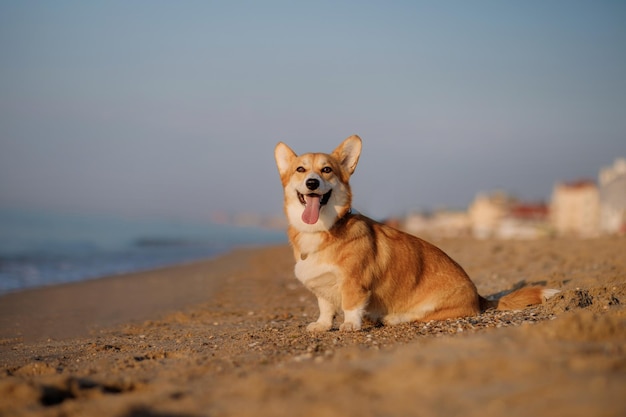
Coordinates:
[227,337]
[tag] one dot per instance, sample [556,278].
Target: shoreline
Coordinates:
[74,309]
[231,341]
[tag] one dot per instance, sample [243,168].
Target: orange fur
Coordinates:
[521,298]
[364,268]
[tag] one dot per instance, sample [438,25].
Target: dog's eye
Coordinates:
[327,170]
[300,169]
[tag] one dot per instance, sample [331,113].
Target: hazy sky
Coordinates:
[174,108]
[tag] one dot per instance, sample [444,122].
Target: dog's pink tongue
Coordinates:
[311,209]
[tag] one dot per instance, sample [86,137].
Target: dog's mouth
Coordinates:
[323,199]
[312,204]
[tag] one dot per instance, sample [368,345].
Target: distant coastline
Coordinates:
[44,248]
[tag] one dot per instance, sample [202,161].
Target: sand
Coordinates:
[227,338]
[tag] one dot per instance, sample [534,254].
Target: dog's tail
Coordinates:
[519,299]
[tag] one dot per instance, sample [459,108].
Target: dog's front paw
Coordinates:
[316,326]
[350,327]
[351,320]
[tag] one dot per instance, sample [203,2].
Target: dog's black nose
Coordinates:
[312,184]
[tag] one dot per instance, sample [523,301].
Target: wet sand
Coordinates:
[227,338]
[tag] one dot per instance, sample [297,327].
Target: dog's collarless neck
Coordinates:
[342,219]
[340,222]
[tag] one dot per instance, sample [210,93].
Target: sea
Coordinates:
[39,248]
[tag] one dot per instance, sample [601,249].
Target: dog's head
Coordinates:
[316,185]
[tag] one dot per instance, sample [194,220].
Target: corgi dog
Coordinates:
[363,268]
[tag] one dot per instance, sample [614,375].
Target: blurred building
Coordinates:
[525,221]
[579,208]
[499,215]
[486,213]
[612,188]
[575,209]
[441,223]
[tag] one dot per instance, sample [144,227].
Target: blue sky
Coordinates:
[172,109]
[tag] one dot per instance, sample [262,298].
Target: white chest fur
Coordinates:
[320,278]
[316,274]
[309,243]
[310,268]
[311,265]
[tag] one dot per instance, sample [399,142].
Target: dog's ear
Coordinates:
[284,157]
[348,153]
